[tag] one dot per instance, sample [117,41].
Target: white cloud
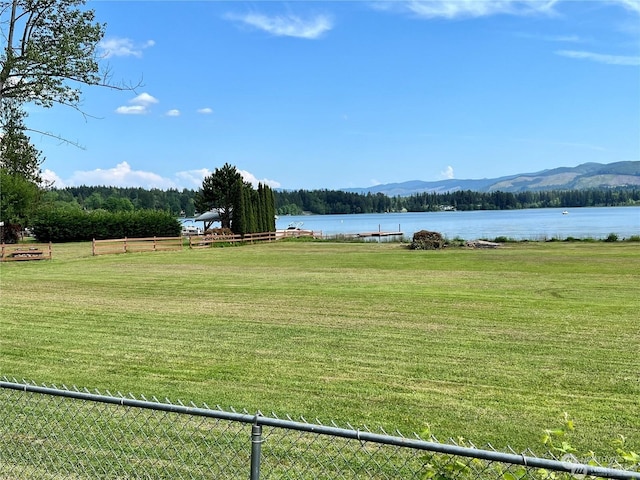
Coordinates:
[251,178]
[193,178]
[447,173]
[633,5]
[452,9]
[138,105]
[173,113]
[205,111]
[123,47]
[287,25]
[122,175]
[564,38]
[601,58]
[144,99]
[455,9]
[553,38]
[50,177]
[131,110]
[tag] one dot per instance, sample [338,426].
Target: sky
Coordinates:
[344,94]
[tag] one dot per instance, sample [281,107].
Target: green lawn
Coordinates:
[490,345]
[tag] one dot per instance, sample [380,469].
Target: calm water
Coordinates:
[533,224]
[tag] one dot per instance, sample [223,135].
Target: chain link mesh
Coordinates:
[56,437]
[45,436]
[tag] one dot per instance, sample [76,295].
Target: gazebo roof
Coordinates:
[210,216]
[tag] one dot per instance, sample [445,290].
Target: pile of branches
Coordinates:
[218,231]
[426,240]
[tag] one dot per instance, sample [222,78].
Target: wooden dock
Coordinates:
[379,234]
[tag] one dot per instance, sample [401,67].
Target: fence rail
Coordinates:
[208,240]
[51,432]
[127,245]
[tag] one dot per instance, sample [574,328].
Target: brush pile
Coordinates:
[426,240]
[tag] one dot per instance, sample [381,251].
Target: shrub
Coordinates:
[219,231]
[64,225]
[443,467]
[456,242]
[612,237]
[10,233]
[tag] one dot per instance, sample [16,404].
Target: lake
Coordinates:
[530,224]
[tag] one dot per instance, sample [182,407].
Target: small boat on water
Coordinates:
[295,230]
[294,226]
[565,212]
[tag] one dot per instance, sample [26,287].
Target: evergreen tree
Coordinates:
[17,155]
[220,191]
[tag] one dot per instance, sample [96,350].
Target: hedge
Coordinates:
[66,225]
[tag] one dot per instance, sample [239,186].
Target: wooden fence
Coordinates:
[21,252]
[208,240]
[128,245]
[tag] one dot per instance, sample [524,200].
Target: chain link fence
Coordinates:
[48,432]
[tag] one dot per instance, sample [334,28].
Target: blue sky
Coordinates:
[339,94]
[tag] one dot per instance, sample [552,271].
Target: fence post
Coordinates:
[256,448]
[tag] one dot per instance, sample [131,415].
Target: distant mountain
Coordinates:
[585,176]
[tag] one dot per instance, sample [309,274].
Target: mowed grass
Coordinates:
[489,345]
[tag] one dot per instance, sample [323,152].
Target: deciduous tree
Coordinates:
[49,50]
[17,198]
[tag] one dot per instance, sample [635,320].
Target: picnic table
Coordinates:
[25,252]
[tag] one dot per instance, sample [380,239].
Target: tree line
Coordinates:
[123,199]
[185,202]
[498,200]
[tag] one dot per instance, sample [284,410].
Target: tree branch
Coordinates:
[63,141]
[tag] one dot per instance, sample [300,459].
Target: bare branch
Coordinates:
[63,140]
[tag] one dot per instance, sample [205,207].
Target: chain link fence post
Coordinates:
[256,449]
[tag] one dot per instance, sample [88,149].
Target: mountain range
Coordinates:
[585,176]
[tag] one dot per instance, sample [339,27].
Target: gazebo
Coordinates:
[208,218]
